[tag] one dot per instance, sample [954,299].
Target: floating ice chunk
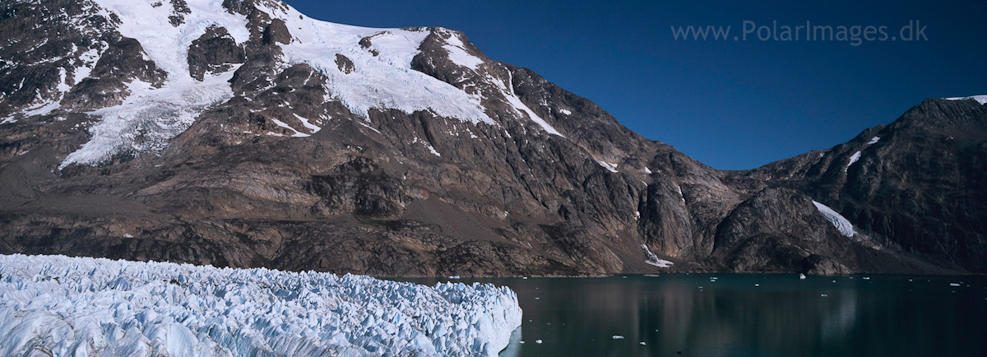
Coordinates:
[618,337]
[841,224]
[954,284]
[538,341]
[801,276]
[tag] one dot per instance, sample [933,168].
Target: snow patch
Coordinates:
[507,89]
[458,54]
[841,224]
[84,306]
[874,140]
[432,150]
[982,99]
[565,111]
[610,167]
[653,259]
[381,81]
[853,159]
[43,109]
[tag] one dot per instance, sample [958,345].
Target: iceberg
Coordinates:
[63,306]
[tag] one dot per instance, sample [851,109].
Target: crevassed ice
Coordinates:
[153,115]
[385,81]
[149,117]
[84,306]
[841,224]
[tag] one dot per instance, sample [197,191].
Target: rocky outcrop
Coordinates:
[214,52]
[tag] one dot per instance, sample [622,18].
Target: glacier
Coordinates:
[63,306]
[383,78]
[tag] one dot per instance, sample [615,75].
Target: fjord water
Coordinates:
[750,315]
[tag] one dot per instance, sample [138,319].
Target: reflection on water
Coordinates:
[731,316]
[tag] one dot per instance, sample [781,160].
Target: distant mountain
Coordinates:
[243,133]
[917,185]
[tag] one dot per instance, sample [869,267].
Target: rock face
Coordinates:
[242,133]
[918,184]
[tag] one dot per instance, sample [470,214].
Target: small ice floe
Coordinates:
[521,342]
[454,277]
[801,276]
[537,298]
[618,337]
[834,281]
[524,278]
[538,341]
[823,295]
[757,285]
[642,343]
[954,284]
[866,278]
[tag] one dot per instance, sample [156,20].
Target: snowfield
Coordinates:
[838,221]
[61,306]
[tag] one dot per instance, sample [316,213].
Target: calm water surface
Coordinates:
[749,315]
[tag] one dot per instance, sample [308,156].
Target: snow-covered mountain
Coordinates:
[244,133]
[61,306]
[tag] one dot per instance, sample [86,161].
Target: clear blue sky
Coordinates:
[730,104]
